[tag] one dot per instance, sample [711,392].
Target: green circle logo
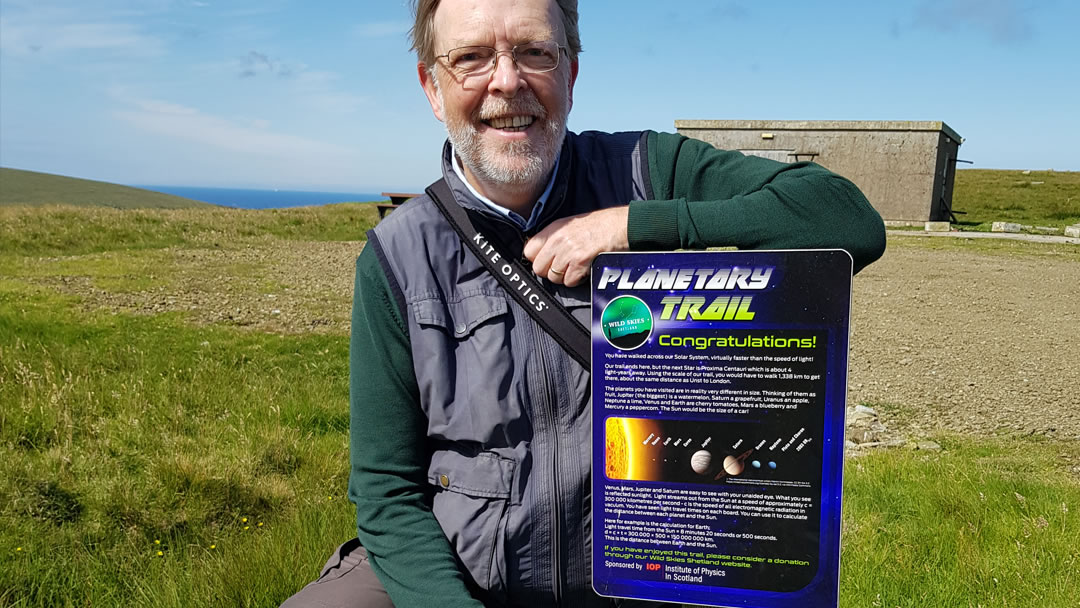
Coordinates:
[627,322]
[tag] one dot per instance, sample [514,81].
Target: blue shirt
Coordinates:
[538,208]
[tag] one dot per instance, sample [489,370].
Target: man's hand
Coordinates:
[564,250]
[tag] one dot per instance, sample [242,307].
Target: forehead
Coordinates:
[490,22]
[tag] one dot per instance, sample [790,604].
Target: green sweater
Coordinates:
[704,198]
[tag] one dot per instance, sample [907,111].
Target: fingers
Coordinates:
[564,250]
[553,253]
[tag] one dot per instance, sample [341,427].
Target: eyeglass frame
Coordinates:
[495,59]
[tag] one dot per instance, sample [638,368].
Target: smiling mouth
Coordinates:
[510,123]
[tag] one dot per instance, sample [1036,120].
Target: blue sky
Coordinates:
[324,95]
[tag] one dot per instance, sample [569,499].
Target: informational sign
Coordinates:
[719,385]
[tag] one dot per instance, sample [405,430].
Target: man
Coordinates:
[470,429]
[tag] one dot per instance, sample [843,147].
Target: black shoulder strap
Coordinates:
[517,281]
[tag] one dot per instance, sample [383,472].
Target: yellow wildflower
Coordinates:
[260,524]
[213,546]
[243,520]
[157,542]
[159,554]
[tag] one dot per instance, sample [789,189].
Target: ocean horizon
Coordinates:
[250,198]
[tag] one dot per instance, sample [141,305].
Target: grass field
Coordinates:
[151,460]
[1038,198]
[30,188]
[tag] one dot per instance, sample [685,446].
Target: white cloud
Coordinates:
[189,124]
[321,91]
[52,31]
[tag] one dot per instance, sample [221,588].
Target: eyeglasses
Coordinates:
[531,57]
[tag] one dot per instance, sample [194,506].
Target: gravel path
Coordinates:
[954,341]
[967,342]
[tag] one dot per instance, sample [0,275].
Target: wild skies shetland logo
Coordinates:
[627,322]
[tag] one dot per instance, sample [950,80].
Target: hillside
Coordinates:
[19,187]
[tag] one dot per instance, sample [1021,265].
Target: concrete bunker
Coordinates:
[905,168]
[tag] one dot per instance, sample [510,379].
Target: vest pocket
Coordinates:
[459,317]
[472,502]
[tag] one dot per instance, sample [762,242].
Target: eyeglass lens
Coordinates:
[530,57]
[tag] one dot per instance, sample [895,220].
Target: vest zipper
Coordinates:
[551,408]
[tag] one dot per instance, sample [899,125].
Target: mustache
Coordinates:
[523,103]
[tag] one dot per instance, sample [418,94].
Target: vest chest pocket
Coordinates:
[459,317]
[472,502]
[462,353]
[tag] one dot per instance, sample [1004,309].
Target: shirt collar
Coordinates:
[538,208]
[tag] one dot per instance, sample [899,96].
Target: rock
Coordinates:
[860,419]
[1073,231]
[863,436]
[864,409]
[1005,227]
[937,227]
[926,444]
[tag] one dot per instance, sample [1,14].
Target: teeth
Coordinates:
[511,122]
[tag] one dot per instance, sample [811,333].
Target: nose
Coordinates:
[505,77]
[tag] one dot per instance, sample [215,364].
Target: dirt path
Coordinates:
[966,342]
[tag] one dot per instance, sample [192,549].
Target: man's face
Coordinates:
[480,111]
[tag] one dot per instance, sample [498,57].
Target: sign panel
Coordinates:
[719,386]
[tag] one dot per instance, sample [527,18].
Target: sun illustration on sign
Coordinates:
[624,455]
[617,464]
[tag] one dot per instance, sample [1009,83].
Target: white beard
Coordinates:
[521,165]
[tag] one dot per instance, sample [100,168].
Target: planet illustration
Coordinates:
[772,465]
[756,464]
[733,466]
[701,461]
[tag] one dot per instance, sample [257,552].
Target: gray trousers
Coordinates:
[347,581]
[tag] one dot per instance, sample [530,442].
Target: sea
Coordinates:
[264,199]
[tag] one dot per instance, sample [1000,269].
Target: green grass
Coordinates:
[65,230]
[985,196]
[19,187]
[120,430]
[988,246]
[990,522]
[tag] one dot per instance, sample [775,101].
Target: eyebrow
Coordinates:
[461,42]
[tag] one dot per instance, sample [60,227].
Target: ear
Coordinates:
[570,85]
[427,81]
